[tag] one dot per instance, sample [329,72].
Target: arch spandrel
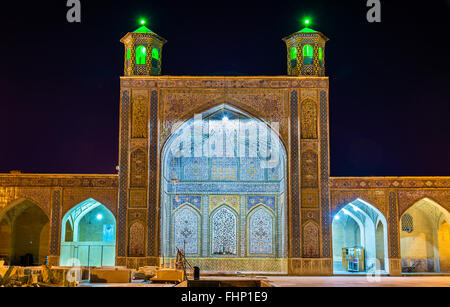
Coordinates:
[225,180]
[71,198]
[40,196]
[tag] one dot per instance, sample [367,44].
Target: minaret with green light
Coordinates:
[306,52]
[143,50]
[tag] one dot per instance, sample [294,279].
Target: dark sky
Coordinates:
[389,82]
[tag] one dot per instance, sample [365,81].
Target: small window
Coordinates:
[308,55]
[155,54]
[320,54]
[141,53]
[293,56]
[407,223]
[128,53]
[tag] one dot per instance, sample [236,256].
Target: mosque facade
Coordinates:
[235,172]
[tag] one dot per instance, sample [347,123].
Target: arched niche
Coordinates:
[186,230]
[425,238]
[262,232]
[88,235]
[24,234]
[359,224]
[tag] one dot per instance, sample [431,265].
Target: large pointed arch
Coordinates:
[197,165]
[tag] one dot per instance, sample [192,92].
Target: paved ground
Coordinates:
[360,281]
[137,284]
[319,281]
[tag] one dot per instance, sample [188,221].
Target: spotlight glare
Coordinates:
[354,207]
[306,21]
[99,216]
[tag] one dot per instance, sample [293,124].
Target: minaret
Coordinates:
[143,50]
[306,52]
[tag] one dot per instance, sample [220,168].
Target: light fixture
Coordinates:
[99,217]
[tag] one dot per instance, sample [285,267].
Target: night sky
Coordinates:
[389,81]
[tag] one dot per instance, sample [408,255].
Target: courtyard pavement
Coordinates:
[360,281]
[317,281]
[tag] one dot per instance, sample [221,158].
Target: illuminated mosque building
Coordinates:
[234,171]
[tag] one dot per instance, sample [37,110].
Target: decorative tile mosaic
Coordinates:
[223,232]
[179,200]
[186,230]
[123,175]
[269,201]
[225,190]
[261,232]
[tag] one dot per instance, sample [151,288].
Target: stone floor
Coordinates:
[361,281]
[318,281]
[138,284]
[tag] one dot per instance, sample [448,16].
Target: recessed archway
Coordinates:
[425,238]
[24,234]
[359,234]
[223,193]
[88,235]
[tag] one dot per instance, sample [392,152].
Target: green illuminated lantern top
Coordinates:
[143,49]
[306,52]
